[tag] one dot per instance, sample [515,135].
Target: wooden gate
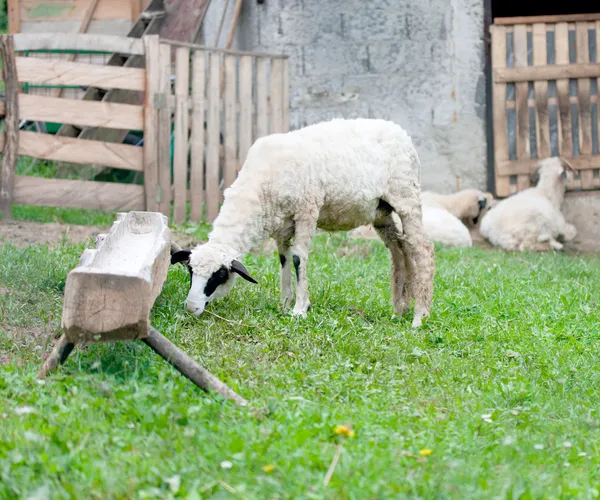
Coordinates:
[545,75]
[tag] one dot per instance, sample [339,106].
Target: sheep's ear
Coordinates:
[535,178]
[567,166]
[238,267]
[182,256]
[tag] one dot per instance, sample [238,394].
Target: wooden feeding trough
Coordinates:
[109,295]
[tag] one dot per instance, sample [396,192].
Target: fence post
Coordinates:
[151,186]
[11,120]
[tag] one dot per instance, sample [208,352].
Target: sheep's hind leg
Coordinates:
[388,233]
[285,258]
[419,251]
[305,230]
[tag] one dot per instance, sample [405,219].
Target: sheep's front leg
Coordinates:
[305,230]
[285,258]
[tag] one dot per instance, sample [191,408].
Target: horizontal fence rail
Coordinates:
[545,99]
[201,111]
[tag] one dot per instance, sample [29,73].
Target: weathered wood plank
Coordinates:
[151,123]
[13,8]
[180,156]
[262,106]
[81,113]
[230,136]
[541,91]
[61,72]
[11,123]
[164,131]
[498,34]
[546,72]
[561,44]
[197,142]
[109,295]
[521,92]
[528,166]
[276,89]
[84,152]
[79,42]
[212,138]
[78,194]
[245,85]
[585,103]
[285,98]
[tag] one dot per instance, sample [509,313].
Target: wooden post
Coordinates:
[189,368]
[57,357]
[151,185]
[181,129]
[11,120]
[14,16]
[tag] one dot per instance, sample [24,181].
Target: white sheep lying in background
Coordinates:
[334,175]
[531,219]
[467,204]
[443,227]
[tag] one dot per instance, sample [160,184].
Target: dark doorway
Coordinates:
[518,8]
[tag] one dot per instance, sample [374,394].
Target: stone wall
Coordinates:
[418,63]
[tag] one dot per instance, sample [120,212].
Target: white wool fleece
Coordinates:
[443,227]
[331,175]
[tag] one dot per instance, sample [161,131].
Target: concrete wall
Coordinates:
[416,62]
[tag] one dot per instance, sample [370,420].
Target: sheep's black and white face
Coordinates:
[212,275]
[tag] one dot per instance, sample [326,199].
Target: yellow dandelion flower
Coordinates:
[268,468]
[343,430]
[426,452]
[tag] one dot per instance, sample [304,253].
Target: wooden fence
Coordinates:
[545,98]
[214,94]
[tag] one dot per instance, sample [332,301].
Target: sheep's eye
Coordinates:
[218,278]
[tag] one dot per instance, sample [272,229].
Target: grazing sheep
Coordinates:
[334,175]
[531,219]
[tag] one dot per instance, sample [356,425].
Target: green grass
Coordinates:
[501,384]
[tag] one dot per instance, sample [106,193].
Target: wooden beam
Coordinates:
[189,368]
[151,123]
[84,152]
[528,166]
[61,72]
[109,295]
[11,121]
[83,27]
[82,113]
[548,72]
[78,42]
[569,18]
[78,194]
[14,15]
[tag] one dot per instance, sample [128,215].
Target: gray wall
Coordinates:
[418,63]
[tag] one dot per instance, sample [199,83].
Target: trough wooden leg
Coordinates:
[188,367]
[57,357]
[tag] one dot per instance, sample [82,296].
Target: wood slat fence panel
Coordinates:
[546,77]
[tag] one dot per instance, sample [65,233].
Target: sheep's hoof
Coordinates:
[301,312]
[286,302]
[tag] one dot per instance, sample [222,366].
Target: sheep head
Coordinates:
[473,204]
[554,170]
[213,269]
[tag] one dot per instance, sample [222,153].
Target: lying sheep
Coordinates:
[334,175]
[531,219]
[467,205]
[443,227]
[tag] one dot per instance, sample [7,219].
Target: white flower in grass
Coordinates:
[226,464]
[538,446]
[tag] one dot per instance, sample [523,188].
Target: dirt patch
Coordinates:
[24,233]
